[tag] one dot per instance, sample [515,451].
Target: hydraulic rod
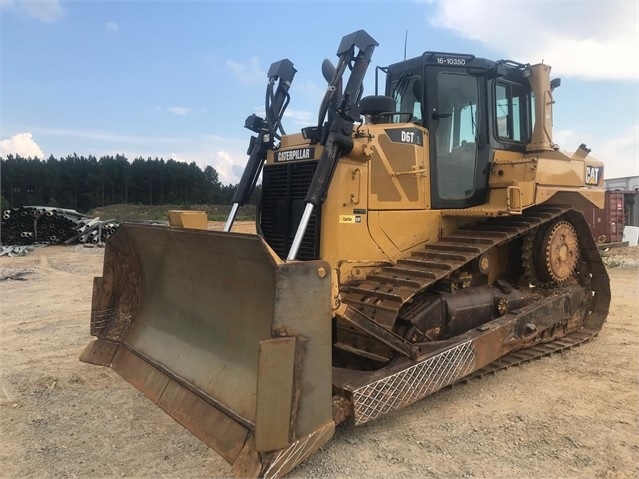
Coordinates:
[266,130]
[338,141]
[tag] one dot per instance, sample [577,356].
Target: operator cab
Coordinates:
[471,107]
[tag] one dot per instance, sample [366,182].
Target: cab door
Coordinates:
[457,121]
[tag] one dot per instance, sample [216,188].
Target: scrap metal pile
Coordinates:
[29,225]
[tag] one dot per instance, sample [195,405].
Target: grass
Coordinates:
[611,263]
[130,212]
[225,217]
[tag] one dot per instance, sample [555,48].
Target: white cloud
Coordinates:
[21,144]
[108,136]
[587,40]
[223,162]
[227,155]
[112,27]
[312,91]
[620,153]
[302,118]
[297,117]
[247,74]
[564,137]
[229,164]
[47,11]
[179,110]
[590,40]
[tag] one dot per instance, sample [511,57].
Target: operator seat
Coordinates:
[379,108]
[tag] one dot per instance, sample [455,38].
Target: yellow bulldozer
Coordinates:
[407,241]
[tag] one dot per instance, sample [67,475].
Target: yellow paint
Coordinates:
[188,219]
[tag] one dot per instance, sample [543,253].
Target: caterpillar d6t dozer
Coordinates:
[407,241]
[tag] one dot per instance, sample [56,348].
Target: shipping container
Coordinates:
[607,224]
[629,185]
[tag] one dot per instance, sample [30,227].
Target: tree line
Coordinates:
[83,183]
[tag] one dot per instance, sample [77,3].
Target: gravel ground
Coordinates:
[627,256]
[571,415]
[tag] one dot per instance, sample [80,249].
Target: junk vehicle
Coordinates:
[405,242]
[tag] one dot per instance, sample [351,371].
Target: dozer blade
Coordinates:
[225,337]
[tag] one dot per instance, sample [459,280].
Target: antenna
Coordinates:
[405,42]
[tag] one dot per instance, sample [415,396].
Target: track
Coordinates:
[374,304]
[533,353]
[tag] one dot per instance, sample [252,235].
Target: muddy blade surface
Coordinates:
[210,327]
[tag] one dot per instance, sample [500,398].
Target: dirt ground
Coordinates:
[572,415]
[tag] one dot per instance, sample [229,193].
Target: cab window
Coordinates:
[456,135]
[512,117]
[407,93]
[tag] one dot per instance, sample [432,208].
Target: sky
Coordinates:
[176,79]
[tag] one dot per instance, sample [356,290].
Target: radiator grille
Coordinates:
[284,187]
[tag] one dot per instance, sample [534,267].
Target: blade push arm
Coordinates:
[338,141]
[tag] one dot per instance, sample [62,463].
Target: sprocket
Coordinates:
[551,255]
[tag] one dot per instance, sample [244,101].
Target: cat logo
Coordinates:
[594,174]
